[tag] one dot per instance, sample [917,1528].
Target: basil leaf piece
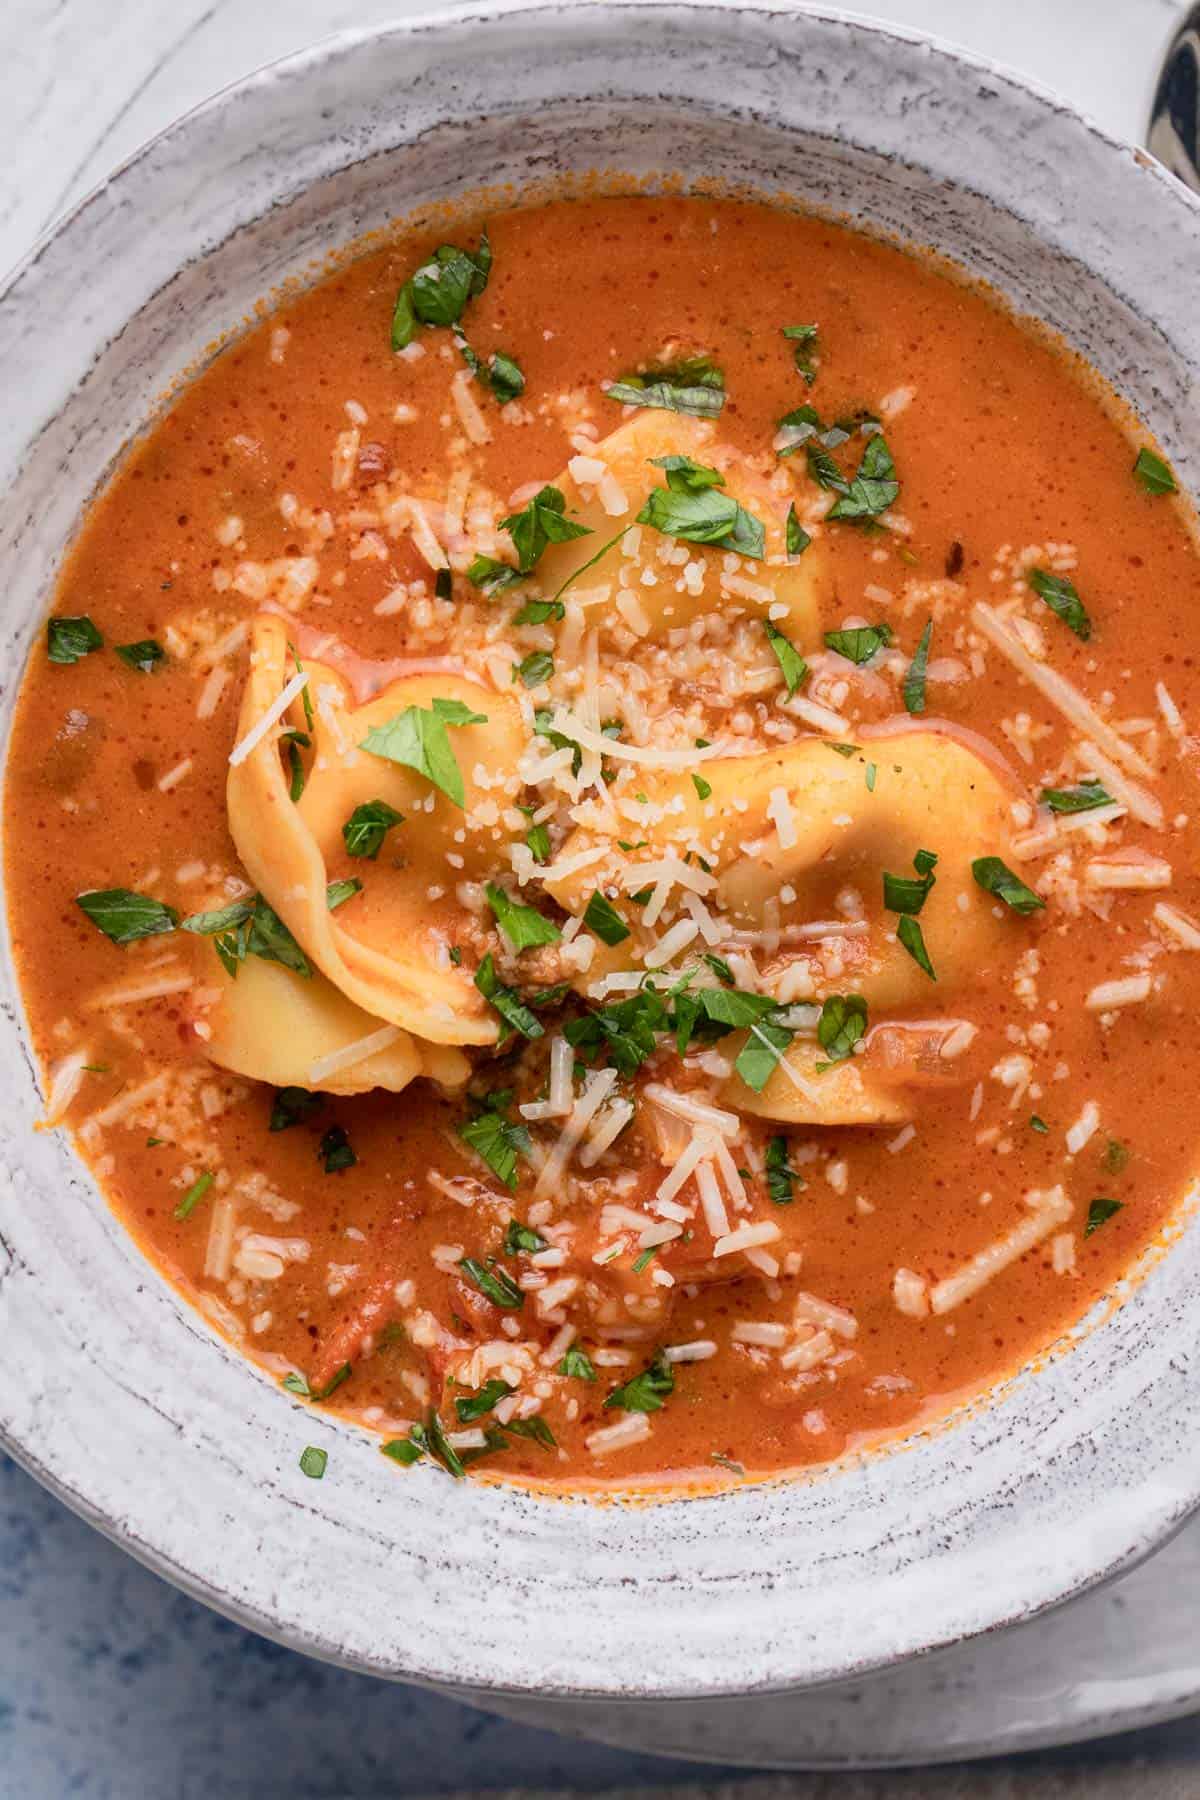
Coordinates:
[706,516]
[687,477]
[842,1023]
[270,939]
[1084,798]
[913,938]
[439,290]
[470,1407]
[873,489]
[405,1451]
[792,665]
[1036,1123]
[995,877]
[143,656]
[338,892]
[760,1054]
[734,1007]
[224,918]
[1060,596]
[494,1284]
[417,738]
[492,577]
[703,792]
[313,1462]
[537,842]
[719,967]
[626,1033]
[439,1445]
[334,1151]
[543,521]
[291,1106]
[368,825]
[824,470]
[540,612]
[69,640]
[1154,474]
[694,386]
[536,668]
[914,681]
[781,1177]
[404,319]
[522,1240]
[601,917]
[647,1392]
[1116,1156]
[796,538]
[859,643]
[903,894]
[536,1429]
[577,1364]
[193,1197]
[805,339]
[512,1010]
[501,372]
[524,926]
[1100,1212]
[797,427]
[124,916]
[498,1142]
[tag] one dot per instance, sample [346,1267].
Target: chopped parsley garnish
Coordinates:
[1037,1123]
[498,1141]
[537,842]
[144,656]
[438,293]
[626,1033]
[909,932]
[124,916]
[1154,474]
[693,507]
[492,577]
[193,1197]
[694,385]
[995,877]
[906,894]
[69,640]
[338,892]
[536,668]
[523,926]
[804,337]
[577,1364]
[291,1106]
[418,739]
[334,1152]
[842,1023]
[647,1392]
[1084,798]
[470,1407]
[796,539]
[914,681]
[1060,596]
[602,918]
[313,1462]
[1100,1212]
[1116,1156]
[703,788]
[781,1177]
[522,1240]
[543,521]
[859,643]
[792,665]
[368,825]
[493,1283]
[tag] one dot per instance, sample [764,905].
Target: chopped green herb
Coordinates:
[873,489]
[543,521]
[522,1240]
[796,428]
[1116,1156]
[368,825]
[193,1197]
[291,1106]
[1154,474]
[313,1462]
[1085,797]
[727,1462]
[498,1142]
[536,1429]
[438,293]
[224,918]
[537,842]
[872,771]
[903,894]
[297,1383]
[124,916]
[305,696]
[1100,1212]
[577,1364]
[913,939]
[295,741]
[843,749]
[439,1445]
[626,1033]
[1037,1123]
[645,1393]
[539,612]
[501,372]
[492,577]
[536,668]
[144,656]
[269,938]
[69,640]
[645,1259]
[508,1004]
[702,515]
[443,585]
[455,955]
[914,681]
[805,340]
[695,386]
[687,477]
[523,926]
[759,1056]
[781,1177]
[470,1407]
[792,665]
[338,892]
[405,1451]
[859,643]
[796,539]
[493,1283]
[1060,596]
[842,1023]
[822,467]
[703,788]
[334,1152]
[418,739]
[995,877]
[601,917]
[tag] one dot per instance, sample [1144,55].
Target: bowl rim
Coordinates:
[569,19]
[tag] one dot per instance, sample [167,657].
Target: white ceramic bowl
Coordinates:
[113,1392]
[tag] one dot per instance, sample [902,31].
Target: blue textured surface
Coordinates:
[113,1685]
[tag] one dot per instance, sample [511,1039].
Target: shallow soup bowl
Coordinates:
[120,1398]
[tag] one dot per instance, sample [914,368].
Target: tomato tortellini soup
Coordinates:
[602,843]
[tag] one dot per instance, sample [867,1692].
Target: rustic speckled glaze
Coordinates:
[115,1394]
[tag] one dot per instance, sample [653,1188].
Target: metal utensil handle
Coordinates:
[1174,135]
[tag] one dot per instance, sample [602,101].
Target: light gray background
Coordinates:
[111,1684]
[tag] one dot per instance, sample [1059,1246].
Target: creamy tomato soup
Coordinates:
[602,843]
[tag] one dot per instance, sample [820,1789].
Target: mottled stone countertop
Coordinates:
[111,1683]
